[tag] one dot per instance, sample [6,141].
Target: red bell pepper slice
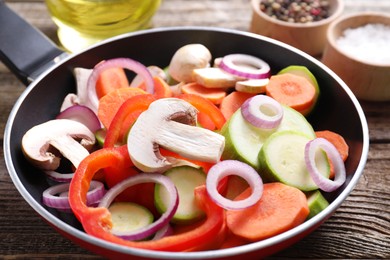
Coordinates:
[161,88]
[126,116]
[207,107]
[97,221]
[142,193]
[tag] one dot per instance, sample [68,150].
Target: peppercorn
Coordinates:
[296,11]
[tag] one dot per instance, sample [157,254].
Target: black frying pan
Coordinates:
[48,71]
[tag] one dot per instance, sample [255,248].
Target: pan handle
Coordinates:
[23,49]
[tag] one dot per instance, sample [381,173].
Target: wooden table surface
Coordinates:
[360,228]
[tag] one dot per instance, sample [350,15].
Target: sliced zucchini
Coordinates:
[282,158]
[186,179]
[128,216]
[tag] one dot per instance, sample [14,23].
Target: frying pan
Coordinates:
[48,73]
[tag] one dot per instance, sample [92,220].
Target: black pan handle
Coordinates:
[23,49]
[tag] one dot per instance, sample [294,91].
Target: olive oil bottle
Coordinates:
[85,22]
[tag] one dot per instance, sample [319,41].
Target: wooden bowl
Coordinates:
[308,37]
[367,80]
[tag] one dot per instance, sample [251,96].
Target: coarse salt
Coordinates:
[370,43]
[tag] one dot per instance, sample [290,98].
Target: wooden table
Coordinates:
[360,228]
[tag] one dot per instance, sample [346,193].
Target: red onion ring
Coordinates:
[125,63]
[163,232]
[335,157]
[243,170]
[59,177]
[54,196]
[262,111]
[245,66]
[82,114]
[164,218]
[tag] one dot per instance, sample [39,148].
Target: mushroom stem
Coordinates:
[170,123]
[70,149]
[62,134]
[199,144]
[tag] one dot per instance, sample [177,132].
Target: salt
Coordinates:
[370,43]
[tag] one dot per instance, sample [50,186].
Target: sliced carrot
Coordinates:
[110,103]
[292,90]
[205,121]
[235,186]
[280,208]
[232,102]
[161,88]
[110,80]
[339,142]
[215,95]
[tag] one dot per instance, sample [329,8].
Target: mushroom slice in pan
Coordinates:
[72,139]
[170,123]
[186,59]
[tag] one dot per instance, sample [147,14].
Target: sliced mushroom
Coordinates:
[254,86]
[214,78]
[186,59]
[70,138]
[170,123]
[81,98]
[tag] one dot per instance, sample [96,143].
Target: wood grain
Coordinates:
[359,229]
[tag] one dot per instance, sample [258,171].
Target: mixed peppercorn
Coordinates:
[296,11]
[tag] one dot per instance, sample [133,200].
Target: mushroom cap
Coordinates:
[170,123]
[186,59]
[43,143]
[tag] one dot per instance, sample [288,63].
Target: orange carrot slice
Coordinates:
[205,121]
[110,103]
[215,95]
[161,88]
[232,102]
[110,80]
[281,208]
[339,142]
[292,90]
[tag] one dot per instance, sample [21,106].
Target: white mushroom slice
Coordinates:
[82,76]
[170,123]
[215,78]
[176,89]
[81,98]
[70,100]
[186,59]
[254,86]
[217,61]
[63,135]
